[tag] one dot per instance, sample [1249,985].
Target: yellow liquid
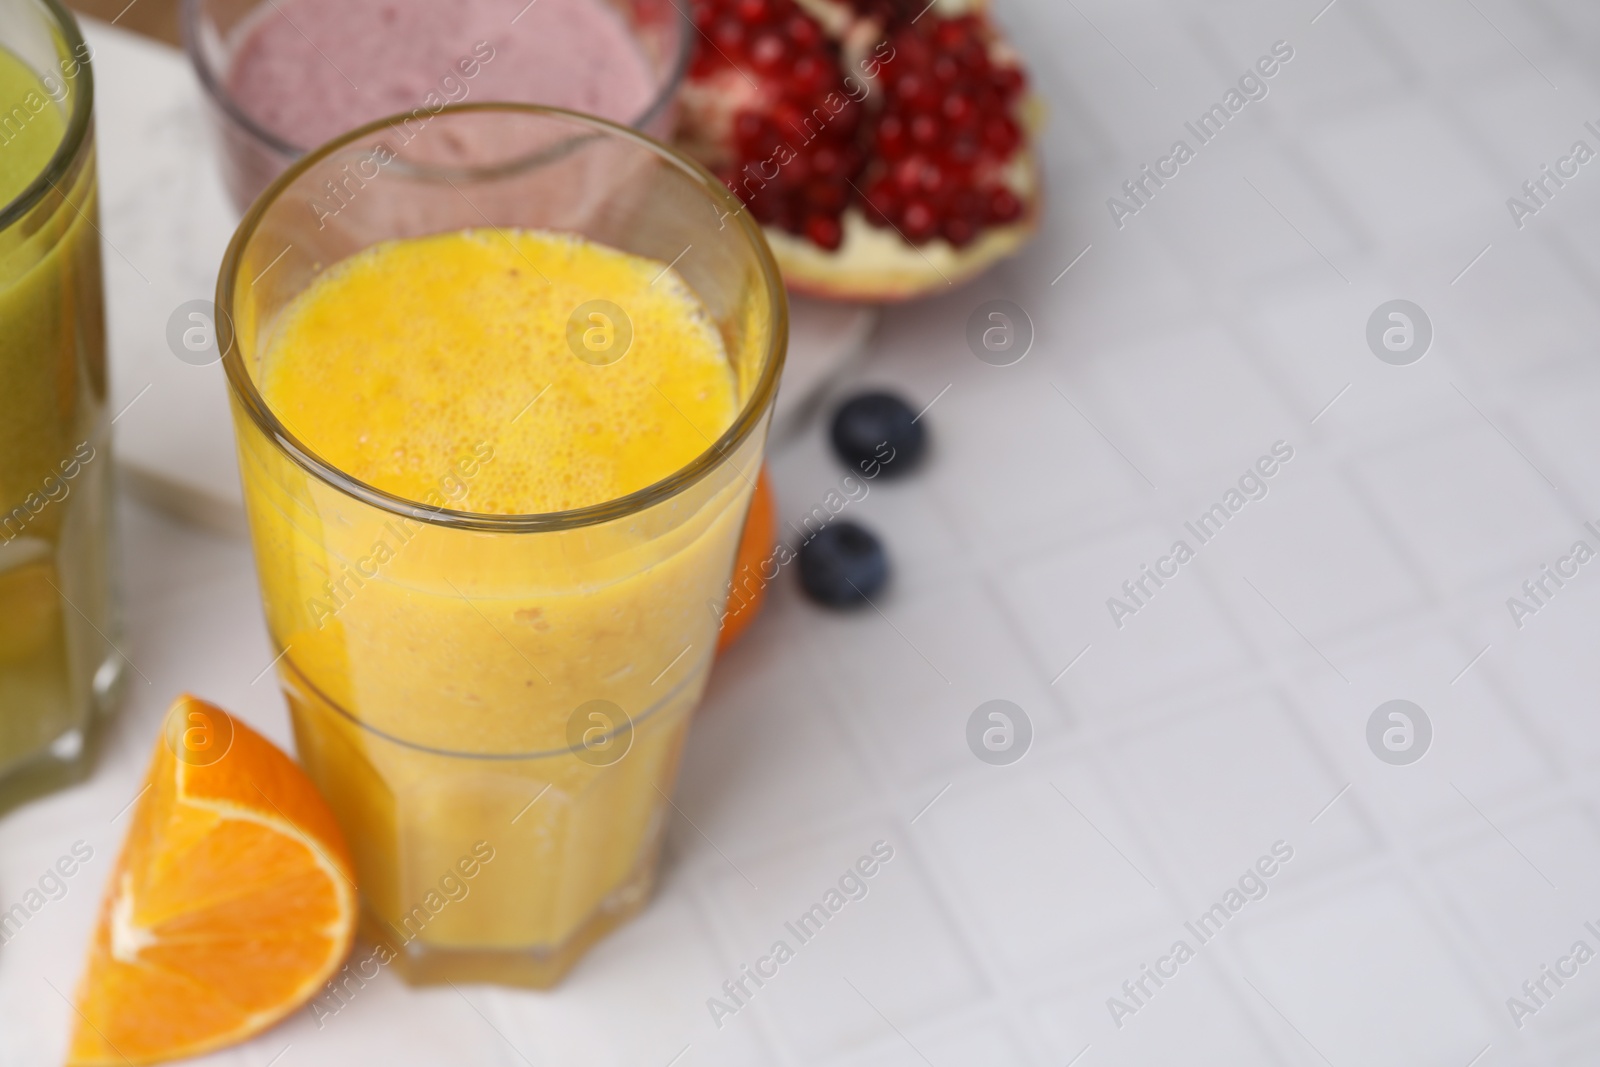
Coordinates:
[444,343]
[31,126]
[435,675]
[54,586]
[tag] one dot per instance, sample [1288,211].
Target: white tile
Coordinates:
[994,476]
[1518,919]
[1243,211]
[1576,18]
[893,944]
[664,962]
[186,573]
[1177,637]
[1401,170]
[1049,873]
[1465,504]
[1550,674]
[764,754]
[1127,283]
[1317,339]
[1191,1018]
[1440,39]
[1225,783]
[908,680]
[1575,26]
[1526,123]
[1477,745]
[1180,405]
[1365,977]
[1523,311]
[36,953]
[1554,413]
[945,1045]
[1120,58]
[1313,550]
[1337,63]
[389,1020]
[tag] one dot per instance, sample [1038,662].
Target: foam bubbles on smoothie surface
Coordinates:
[412,356]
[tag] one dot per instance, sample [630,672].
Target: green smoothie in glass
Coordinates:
[58,668]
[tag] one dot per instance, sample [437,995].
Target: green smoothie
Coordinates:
[55,606]
[31,126]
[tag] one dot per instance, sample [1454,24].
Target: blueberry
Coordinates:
[843,565]
[878,433]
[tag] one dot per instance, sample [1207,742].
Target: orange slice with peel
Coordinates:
[755,545]
[232,903]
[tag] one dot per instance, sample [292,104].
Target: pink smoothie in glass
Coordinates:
[310,70]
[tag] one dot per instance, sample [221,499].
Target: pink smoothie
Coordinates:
[310,70]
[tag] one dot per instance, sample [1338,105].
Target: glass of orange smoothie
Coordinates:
[500,408]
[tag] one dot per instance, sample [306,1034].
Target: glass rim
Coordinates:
[751,414]
[78,123]
[214,82]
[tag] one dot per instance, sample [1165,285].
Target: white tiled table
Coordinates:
[1229,714]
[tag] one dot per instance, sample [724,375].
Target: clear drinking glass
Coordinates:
[253,155]
[58,667]
[496,708]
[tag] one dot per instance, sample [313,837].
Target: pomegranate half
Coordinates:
[884,145]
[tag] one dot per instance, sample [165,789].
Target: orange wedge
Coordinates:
[749,586]
[232,903]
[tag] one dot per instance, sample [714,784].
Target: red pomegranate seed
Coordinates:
[803,31]
[728,35]
[748,128]
[1009,80]
[826,161]
[752,11]
[1001,134]
[967,204]
[910,47]
[884,197]
[958,231]
[908,174]
[811,74]
[788,117]
[959,109]
[913,88]
[953,33]
[1004,206]
[891,137]
[961,151]
[924,130]
[790,219]
[768,51]
[918,221]
[763,209]
[831,197]
[825,232]
[796,172]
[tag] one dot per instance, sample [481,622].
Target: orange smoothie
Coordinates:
[496,718]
